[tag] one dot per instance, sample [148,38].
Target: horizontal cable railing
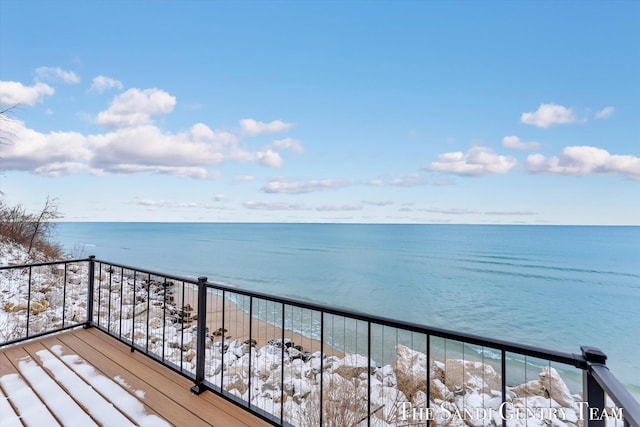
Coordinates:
[302,364]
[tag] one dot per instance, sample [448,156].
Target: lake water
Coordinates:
[558,287]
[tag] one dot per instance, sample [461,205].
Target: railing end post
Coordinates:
[197,389]
[594,355]
[201,335]
[592,392]
[90,290]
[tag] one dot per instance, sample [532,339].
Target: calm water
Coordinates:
[554,286]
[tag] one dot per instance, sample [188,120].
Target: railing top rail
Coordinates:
[151,272]
[573,359]
[576,360]
[42,264]
[566,358]
[616,391]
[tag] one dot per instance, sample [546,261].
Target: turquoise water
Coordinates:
[559,287]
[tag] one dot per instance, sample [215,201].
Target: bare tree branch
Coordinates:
[6,134]
[41,225]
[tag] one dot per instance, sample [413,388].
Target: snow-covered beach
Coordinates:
[285,374]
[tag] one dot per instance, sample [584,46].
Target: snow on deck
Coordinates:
[65,390]
[83,377]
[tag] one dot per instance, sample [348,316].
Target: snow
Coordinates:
[71,387]
[9,417]
[63,406]
[86,395]
[26,401]
[123,383]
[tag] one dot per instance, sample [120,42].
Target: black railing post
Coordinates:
[593,394]
[321,366]
[369,373]
[201,335]
[28,303]
[503,387]
[90,291]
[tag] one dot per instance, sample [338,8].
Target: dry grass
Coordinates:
[33,231]
[342,407]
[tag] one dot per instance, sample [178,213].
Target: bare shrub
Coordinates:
[33,231]
[342,405]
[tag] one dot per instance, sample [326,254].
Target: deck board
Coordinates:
[160,391]
[224,407]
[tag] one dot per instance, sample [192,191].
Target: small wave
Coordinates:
[515,274]
[547,267]
[513,258]
[490,354]
[313,249]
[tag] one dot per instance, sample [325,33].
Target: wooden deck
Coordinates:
[50,381]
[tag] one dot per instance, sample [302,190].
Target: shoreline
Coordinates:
[238,322]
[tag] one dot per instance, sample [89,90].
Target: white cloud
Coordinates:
[183,171]
[339,208]
[475,162]
[172,205]
[604,113]
[251,127]
[584,160]
[409,180]
[127,150]
[374,203]
[274,206]
[134,144]
[269,158]
[147,147]
[280,185]
[102,83]
[52,153]
[15,93]
[548,115]
[290,143]
[56,74]
[66,168]
[515,143]
[514,213]
[135,107]
[449,211]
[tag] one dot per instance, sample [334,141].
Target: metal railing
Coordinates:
[42,298]
[298,363]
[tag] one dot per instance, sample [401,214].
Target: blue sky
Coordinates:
[391,112]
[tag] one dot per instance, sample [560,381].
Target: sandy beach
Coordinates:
[238,324]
